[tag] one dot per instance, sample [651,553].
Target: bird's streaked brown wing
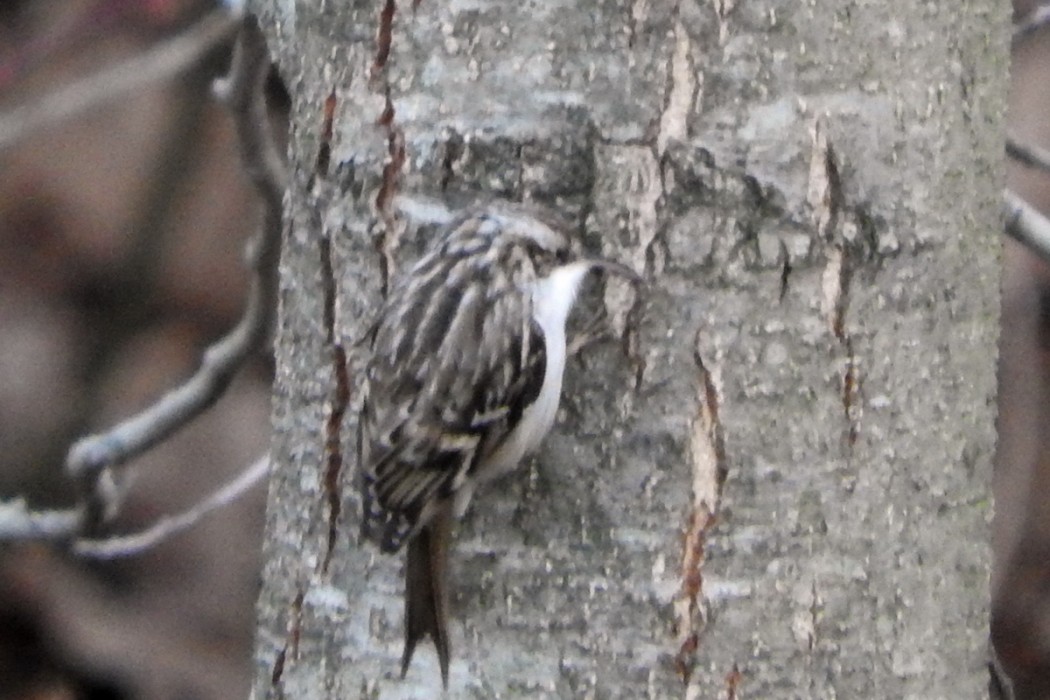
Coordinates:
[440,391]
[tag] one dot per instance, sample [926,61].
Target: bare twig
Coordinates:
[163,61]
[18,522]
[1033,22]
[243,91]
[1030,155]
[91,460]
[1025,224]
[130,545]
[92,457]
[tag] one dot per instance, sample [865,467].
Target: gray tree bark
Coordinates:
[770,478]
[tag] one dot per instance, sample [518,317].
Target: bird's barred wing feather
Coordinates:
[456,358]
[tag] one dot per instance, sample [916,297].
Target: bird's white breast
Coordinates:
[552,299]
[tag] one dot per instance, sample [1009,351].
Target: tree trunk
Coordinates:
[770,474]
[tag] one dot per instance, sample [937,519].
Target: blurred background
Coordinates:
[1021,534]
[122,238]
[122,232]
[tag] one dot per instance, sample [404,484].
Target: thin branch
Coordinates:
[130,545]
[18,522]
[1025,224]
[1030,155]
[244,92]
[1036,20]
[92,457]
[167,59]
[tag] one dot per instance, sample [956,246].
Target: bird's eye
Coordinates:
[563,255]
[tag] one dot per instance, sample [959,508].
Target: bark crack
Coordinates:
[324,151]
[384,37]
[708,462]
[850,394]
[733,680]
[836,282]
[632,174]
[723,8]
[785,271]
[340,400]
[291,644]
[453,152]
[639,13]
[388,187]
[827,201]
[390,180]
[684,82]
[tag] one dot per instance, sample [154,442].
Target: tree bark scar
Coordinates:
[733,680]
[683,83]
[292,643]
[388,187]
[388,242]
[824,193]
[324,150]
[708,462]
[850,394]
[785,271]
[339,402]
[384,37]
[828,202]
[836,291]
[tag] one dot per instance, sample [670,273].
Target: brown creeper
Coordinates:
[464,379]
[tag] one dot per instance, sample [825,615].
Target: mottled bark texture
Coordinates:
[770,475]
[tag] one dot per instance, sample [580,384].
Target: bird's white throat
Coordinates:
[552,299]
[554,295]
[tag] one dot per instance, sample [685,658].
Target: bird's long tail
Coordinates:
[426,594]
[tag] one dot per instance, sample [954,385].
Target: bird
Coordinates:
[464,379]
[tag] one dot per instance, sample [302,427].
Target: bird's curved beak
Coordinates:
[618,269]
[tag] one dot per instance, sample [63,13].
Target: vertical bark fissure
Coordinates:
[384,37]
[828,202]
[396,157]
[707,458]
[324,151]
[291,644]
[340,400]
